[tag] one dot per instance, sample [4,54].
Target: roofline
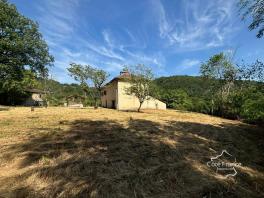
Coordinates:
[36,91]
[116,79]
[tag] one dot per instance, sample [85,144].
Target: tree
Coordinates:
[251,91]
[220,68]
[254,9]
[177,99]
[253,108]
[85,73]
[98,77]
[141,79]
[80,74]
[22,48]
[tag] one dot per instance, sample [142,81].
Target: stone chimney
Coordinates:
[124,72]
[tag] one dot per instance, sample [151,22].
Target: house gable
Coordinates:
[114,96]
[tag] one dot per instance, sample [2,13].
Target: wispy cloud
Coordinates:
[200,26]
[58,18]
[187,65]
[74,35]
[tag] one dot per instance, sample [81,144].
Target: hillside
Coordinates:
[245,99]
[193,85]
[62,152]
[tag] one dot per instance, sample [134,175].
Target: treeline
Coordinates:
[191,93]
[57,92]
[184,93]
[223,89]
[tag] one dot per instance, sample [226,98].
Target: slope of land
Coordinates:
[61,152]
[194,86]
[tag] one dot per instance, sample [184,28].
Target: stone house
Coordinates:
[114,96]
[35,98]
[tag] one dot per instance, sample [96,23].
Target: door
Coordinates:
[113,104]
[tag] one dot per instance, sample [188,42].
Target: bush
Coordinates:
[253,110]
[200,105]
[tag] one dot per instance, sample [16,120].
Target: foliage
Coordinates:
[98,78]
[23,52]
[57,92]
[192,85]
[80,74]
[251,72]
[255,10]
[85,73]
[203,94]
[253,109]
[141,78]
[220,68]
[177,99]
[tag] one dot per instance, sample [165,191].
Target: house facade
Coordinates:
[35,98]
[114,96]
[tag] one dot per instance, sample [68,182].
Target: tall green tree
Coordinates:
[220,68]
[22,48]
[253,9]
[141,80]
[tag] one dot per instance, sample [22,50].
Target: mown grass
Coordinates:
[61,152]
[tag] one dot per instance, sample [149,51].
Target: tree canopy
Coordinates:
[22,50]
[85,73]
[141,78]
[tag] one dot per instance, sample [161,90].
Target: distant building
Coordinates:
[36,98]
[114,96]
[74,101]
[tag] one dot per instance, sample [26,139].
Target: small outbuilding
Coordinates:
[74,101]
[35,98]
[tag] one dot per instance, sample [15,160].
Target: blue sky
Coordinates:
[173,37]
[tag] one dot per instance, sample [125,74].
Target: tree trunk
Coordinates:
[95,103]
[212,106]
[140,104]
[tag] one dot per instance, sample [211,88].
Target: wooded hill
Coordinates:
[195,93]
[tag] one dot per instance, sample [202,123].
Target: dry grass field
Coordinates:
[61,152]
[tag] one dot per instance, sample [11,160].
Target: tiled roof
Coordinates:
[122,76]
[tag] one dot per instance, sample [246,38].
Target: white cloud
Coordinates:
[108,38]
[187,64]
[203,25]
[200,26]
[58,18]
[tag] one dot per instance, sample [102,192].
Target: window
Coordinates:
[104,92]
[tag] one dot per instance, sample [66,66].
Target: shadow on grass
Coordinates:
[142,159]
